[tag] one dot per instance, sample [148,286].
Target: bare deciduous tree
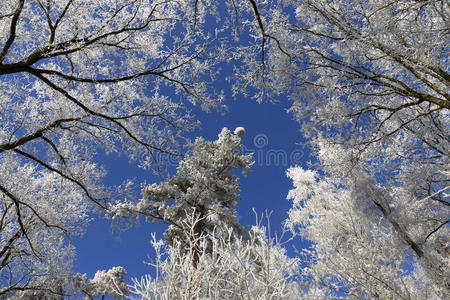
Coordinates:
[370,83]
[78,77]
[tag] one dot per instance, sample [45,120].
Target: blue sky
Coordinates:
[271,134]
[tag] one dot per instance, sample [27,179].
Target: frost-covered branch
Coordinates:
[78,78]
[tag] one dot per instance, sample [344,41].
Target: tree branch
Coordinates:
[12,31]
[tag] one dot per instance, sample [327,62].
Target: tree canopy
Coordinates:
[77,78]
[367,80]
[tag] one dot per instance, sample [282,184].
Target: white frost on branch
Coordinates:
[239,131]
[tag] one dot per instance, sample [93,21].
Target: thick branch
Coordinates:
[414,246]
[12,31]
[37,134]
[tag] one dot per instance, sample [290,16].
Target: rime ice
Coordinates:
[239,131]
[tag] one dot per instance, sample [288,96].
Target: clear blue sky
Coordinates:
[271,135]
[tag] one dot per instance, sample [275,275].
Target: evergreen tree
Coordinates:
[204,189]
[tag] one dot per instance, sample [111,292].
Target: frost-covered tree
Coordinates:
[78,77]
[256,267]
[358,251]
[75,286]
[34,252]
[104,283]
[369,80]
[205,186]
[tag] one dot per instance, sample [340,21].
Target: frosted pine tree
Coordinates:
[205,189]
